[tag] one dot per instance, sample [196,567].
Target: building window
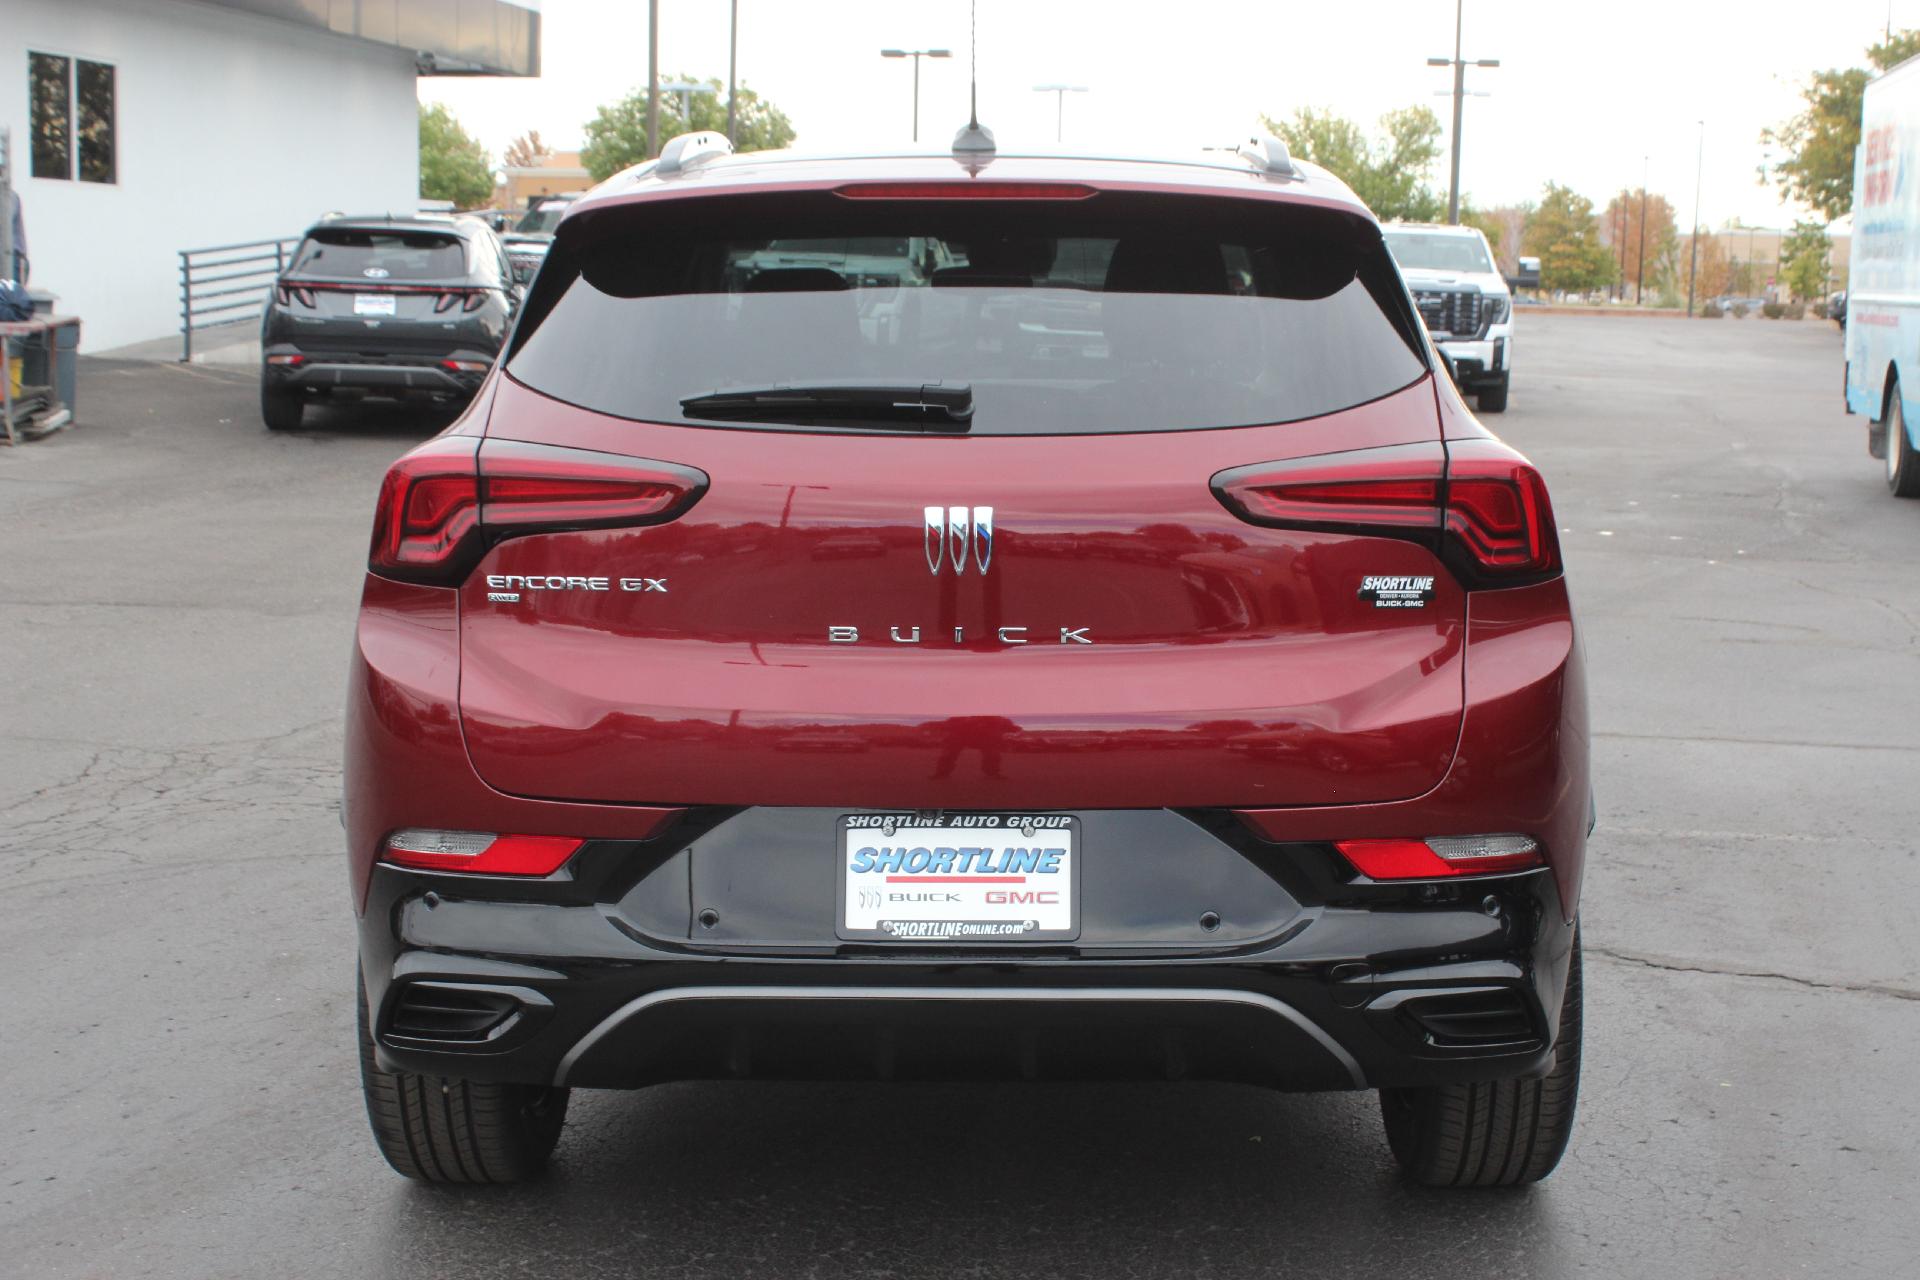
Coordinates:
[72,128]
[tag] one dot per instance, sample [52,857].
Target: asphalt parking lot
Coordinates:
[176,968]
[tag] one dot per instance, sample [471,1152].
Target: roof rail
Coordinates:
[690,149]
[1269,155]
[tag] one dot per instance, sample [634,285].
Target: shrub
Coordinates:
[1739,311]
[1772,310]
[1712,312]
[1797,311]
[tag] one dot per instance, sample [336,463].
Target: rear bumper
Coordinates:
[1345,999]
[389,379]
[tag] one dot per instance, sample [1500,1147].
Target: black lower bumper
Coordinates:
[1332,984]
[382,379]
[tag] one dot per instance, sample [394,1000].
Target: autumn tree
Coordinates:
[1389,173]
[1620,228]
[453,164]
[1563,232]
[1712,276]
[1820,141]
[525,151]
[617,135]
[1803,259]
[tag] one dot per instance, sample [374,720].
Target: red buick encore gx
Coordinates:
[967,613]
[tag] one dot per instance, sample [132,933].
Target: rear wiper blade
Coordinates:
[934,406]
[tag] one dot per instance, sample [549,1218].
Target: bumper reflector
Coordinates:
[479,852]
[1439,856]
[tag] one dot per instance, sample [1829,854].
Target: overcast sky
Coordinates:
[1583,93]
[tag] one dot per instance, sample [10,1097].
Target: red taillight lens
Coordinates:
[479,852]
[976,189]
[285,294]
[446,302]
[1393,489]
[1490,502]
[444,503]
[1498,512]
[426,527]
[475,300]
[1439,857]
[528,487]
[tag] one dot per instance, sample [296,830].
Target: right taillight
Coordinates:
[1497,511]
[444,503]
[1478,503]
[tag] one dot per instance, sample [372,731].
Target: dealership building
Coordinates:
[141,128]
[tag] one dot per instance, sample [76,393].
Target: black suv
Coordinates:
[412,308]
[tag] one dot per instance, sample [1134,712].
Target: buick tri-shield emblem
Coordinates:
[953,534]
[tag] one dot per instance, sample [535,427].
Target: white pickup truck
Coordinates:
[1464,300]
[1883,289]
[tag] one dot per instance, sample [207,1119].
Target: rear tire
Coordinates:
[1492,397]
[1903,460]
[281,409]
[440,1129]
[1498,1133]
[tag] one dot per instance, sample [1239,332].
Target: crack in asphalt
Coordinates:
[1724,740]
[1675,966]
[103,819]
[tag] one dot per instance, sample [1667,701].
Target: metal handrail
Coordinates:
[202,268]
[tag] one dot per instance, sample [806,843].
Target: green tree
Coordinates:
[453,164]
[1804,259]
[1564,234]
[1819,142]
[1390,174]
[617,134]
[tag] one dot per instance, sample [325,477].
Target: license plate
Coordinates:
[959,877]
[373,304]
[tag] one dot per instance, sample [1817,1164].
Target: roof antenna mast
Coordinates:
[976,139]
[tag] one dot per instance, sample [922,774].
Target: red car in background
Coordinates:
[967,614]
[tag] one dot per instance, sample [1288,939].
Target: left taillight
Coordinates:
[288,293]
[443,504]
[478,852]
[1477,502]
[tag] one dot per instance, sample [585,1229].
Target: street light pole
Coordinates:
[916,55]
[653,78]
[1459,66]
[1060,92]
[1640,269]
[684,90]
[1693,241]
[733,64]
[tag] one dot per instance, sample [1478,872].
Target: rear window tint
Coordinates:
[1112,314]
[347,253]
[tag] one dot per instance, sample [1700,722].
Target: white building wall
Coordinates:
[230,128]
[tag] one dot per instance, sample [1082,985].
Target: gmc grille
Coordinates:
[1451,313]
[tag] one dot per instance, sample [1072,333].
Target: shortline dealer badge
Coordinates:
[1397,591]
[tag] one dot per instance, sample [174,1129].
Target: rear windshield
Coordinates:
[345,252]
[1109,314]
[1437,251]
